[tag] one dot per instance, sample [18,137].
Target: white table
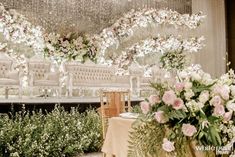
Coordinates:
[116,141]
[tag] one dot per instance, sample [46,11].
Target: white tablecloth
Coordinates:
[116,141]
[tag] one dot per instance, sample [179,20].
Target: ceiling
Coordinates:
[85,16]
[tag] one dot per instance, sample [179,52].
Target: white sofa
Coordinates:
[94,77]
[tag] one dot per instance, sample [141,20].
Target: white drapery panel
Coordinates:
[213,56]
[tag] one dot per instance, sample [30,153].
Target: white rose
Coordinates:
[230,106]
[206,79]
[183,74]
[204,97]
[207,76]
[189,94]
[188,85]
[194,106]
[196,76]
[200,105]
[232,90]
[224,92]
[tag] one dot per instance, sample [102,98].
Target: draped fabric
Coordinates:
[213,56]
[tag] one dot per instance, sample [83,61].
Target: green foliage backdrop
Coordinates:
[58,133]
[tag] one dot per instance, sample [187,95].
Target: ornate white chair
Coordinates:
[9,78]
[139,82]
[94,77]
[157,75]
[41,77]
[136,75]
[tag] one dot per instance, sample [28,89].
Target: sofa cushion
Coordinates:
[12,75]
[46,83]
[7,81]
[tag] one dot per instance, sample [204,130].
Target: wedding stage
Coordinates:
[62,100]
[48,103]
[128,78]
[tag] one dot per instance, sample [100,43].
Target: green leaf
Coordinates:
[143,139]
[202,115]
[215,137]
[201,134]
[177,114]
[164,108]
[198,88]
[213,119]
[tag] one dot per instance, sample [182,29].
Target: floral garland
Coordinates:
[172,51]
[17,29]
[70,47]
[125,26]
[164,44]
[196,108]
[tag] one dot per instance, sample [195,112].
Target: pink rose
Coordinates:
[161,117]
[216,89]
[228,116]
[189,130]
[219,110]
[224,92]
[167,145]
[178,104]
[169,97]
[144,107]
[154,99]
[179,86]
[216,100]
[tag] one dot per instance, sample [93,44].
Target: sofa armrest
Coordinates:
[31,78]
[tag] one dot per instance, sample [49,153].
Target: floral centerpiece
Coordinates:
[70,47]
[196,109]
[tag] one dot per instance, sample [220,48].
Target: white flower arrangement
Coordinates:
[125,26]
[16,28]
[190,109]
[173,48]
[70,47]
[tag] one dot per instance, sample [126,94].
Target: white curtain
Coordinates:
[213,56]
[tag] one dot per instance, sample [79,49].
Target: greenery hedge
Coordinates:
[55,134]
